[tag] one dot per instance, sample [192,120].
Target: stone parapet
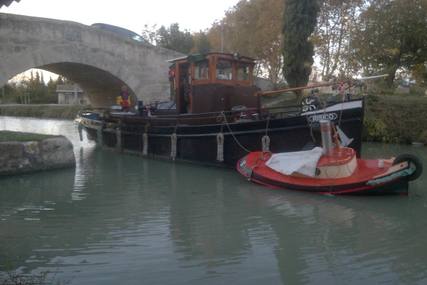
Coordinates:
[24,157]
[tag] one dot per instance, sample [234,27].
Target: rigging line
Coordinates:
[267,125]
[232,134]
[342,105]
[310,127]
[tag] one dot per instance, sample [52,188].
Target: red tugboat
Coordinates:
[331,170]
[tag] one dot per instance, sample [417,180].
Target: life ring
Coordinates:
[413,162]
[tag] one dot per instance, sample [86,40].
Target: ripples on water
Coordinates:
[119,219]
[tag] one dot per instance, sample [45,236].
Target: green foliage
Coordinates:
[175,39]
[332,37]
[30,90]
[395,119]
[391,34]
[252,28]
[171,38]
[149,34]
[299,21]
[201,43]
[375,130]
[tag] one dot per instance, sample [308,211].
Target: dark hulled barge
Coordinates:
[215,117]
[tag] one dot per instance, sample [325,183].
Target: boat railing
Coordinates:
[276,112]
[262,112]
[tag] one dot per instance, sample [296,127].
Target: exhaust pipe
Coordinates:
[326,131]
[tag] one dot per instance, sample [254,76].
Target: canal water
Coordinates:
[121,219]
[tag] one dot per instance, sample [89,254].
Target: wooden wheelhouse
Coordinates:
[213,82]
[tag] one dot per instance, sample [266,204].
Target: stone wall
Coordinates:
[23,157]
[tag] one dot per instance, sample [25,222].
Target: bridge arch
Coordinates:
[100,61]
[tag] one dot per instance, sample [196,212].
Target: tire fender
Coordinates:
[413,162]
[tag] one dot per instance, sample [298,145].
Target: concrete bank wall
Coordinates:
[24,157]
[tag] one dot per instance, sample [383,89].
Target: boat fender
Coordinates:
[265,143]
[220,147]
[80,129]
[413,163]
[145,144]
[174,140]
[118,138]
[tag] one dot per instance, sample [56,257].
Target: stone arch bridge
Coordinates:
[101,62]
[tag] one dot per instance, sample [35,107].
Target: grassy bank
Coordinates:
[396,119]
[51,111]
[7,136]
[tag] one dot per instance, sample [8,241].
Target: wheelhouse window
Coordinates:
[201,70]
[243,71]
[224,70]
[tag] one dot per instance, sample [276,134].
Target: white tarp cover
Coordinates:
[303,162]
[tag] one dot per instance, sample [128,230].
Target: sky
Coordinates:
[193,15]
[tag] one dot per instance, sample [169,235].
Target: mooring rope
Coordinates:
[265,143]
[220,147]
[266,139]
[232,134]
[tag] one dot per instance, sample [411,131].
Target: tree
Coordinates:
[175,39]
[252,28]
[201,43]
[392,34]
[299,21]
[149,34]
[332,36]
[33,87]
[171,38]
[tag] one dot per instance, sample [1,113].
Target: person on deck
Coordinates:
[124,95]
[172,82]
